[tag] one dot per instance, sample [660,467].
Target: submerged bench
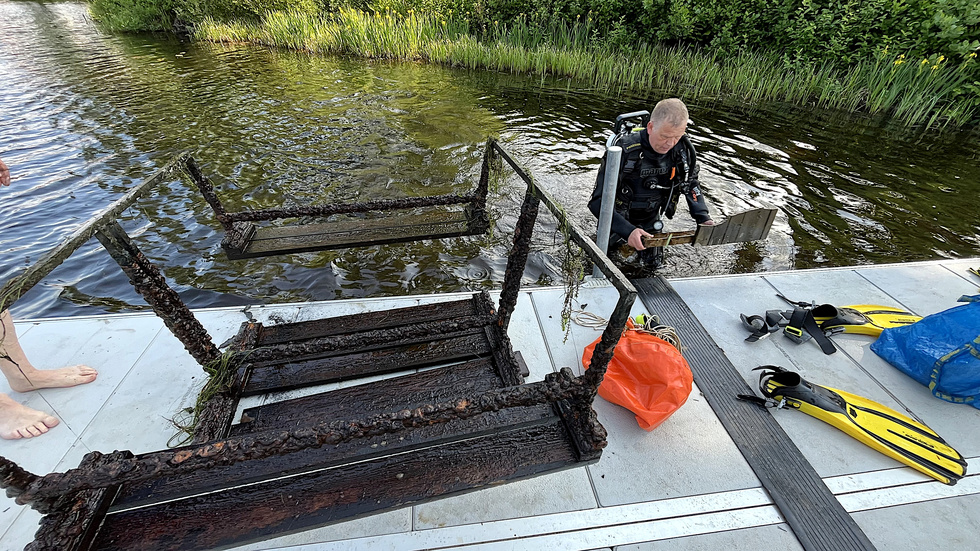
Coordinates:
[288,230]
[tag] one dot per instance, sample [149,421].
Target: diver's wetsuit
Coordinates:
[650,183]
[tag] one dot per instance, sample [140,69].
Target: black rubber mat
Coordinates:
[811,510]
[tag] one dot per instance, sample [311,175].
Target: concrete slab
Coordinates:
[948,524]
[137,416]
[526,338]
[564,348]
[775,537]
[926,289]
[717,303]
[689,454]
[112,348]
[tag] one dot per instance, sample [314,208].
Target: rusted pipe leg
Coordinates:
[207,190]
[150,283]
[517,259]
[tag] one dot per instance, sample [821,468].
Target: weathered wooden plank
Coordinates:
[311,329]
[407,391]
[220,478]
[342,367]
[358,232]
[261,511]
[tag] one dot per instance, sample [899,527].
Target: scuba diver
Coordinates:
[658,165]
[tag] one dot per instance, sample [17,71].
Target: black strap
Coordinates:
[802,323]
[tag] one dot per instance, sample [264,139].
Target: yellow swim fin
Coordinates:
[874,425]
[862,319]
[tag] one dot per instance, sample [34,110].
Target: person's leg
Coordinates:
[20,421]
[24,377]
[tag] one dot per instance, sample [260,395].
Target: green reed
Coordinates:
[930,91]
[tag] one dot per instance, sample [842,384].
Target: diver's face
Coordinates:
[664,136]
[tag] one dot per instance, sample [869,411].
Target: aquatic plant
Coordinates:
[936,92]
[221,374]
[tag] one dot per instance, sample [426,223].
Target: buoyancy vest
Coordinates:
[639,188]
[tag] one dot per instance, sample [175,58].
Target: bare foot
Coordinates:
[23,376]
[51,378]
[20,421]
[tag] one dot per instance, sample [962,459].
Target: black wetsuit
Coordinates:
[650,184]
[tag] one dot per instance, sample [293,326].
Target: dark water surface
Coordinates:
[85,115]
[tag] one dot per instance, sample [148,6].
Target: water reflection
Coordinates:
[86,115]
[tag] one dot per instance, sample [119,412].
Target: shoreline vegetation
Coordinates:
[932,91]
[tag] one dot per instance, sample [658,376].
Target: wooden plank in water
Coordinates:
[260,511]
[341,367]
[354,232]
[750,225]
[744,226]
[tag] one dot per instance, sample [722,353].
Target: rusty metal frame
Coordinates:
[512,277]
[87,489]
[239,227]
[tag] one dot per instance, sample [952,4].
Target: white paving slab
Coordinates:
[137,416]
[564,491]
[948,524]
[774,537]
[926,289]
[690,453]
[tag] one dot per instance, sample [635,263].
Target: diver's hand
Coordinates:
[635,240]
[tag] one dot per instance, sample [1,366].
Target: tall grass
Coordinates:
[929,92]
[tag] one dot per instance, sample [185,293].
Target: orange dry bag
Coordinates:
[646,375]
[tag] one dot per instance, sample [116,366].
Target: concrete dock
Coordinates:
[684,485]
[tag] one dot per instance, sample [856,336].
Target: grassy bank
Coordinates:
[930,91]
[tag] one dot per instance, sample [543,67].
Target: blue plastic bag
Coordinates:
[941,351]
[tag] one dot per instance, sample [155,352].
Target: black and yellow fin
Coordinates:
[874,425]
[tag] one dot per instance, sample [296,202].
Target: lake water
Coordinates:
[85,115]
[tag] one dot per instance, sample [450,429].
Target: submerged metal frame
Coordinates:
[240,228]
[76,500]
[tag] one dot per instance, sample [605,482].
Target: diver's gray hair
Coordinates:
[671,111]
